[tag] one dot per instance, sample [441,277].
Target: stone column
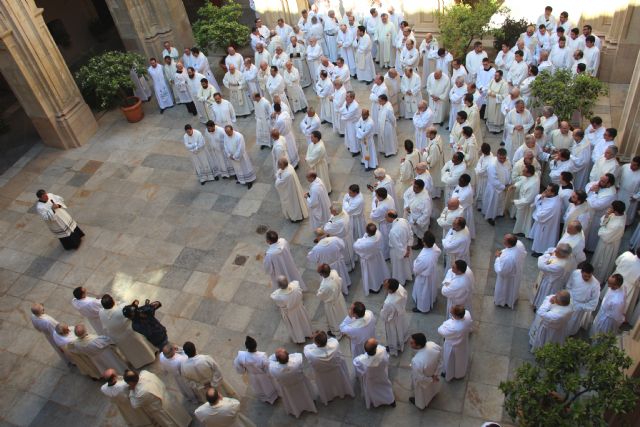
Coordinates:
[34,68]
[144,25]
[629,128]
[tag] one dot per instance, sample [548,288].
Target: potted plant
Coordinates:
[217,27]
[107,79]
[574,384]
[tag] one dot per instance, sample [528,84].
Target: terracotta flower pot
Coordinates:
[133,112]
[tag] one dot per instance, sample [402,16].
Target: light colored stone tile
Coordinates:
[235,317]
[488,368]
[246,207]
[483,401]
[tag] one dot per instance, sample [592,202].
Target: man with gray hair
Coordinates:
[555,266]
[349,114]
[552,318]
[607,163]
[100,350]
[383,181]
[339,225]
[46,325]
[288,298]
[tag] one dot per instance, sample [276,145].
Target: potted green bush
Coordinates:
[107,79]
[217,27]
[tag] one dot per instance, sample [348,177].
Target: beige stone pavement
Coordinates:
[153,232]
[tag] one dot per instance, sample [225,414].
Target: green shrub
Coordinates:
[219,26]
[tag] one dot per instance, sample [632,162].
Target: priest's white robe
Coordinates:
[628,265]
[340,226]
[181,87]
[331,292]
[251,79]
[329,250]
[223,114]
[354,207]
[598,203]
[171,366]
[317,160]
[365,130]
[434,156]
[629,190]
[552,277]
[411,94]
[263,128]
[386,34]
[481,176]
[456,246]
[584,300]
[365,68]
[611,313]
[438,90]
[279,262]
[603,166]
[374,268]
[160,87]
[118,394]
[387,137]
[425,286]
[609,238]
[458,289]
[289,189]
[546,223]
[294,90]
[576,241]
[234,149]
[194,89]
[418,208]
[202,371]
[330,369]
[393,93]
[507,279]
[318,203]
[456,345]
[297,54]
[400,241]
[449,175]
[581,159]
[349,116]
[151,396]
[226,412]
[359,330]
[396,320]
[313,60]
[215,145]
[426,366]
[238,96]
[89,308]
[201,65]
[136,349]
[550,324]
[374,378]
[421,121]
[203,164]
[427,51]
[515,138]
[308,125]
[527,189]
[344,74]
[256,367]
[100,351]
[346,41]
[283,122]
[324,90]
[275,86]
[293,386]
[379,209]
[496,93]
[294,315]
[455,99]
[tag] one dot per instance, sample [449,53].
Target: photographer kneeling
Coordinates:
[144,322]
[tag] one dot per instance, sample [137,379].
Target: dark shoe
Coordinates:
[415,310]
[341,135]
[387,348]
[491,221]
[355,154]
[331,334]
[162,111]
[249,185]
[412,400]
[374,292]
[296,168]
[443,375]
[202,183]
[368,83]
[536,254]
[217,178]
[520,234]
[502,144]
[323,122]
[393,404]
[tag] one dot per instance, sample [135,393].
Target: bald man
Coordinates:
[372,370]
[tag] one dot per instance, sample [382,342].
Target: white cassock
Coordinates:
[576,241]
[427,51]
[515,138]
[308,125]
[201,65]
[289,189]
[550,324]
[396,320]
[496,93]
[421,121]
[279,262]
[118,394]
[324,89]
[263,75]
[313,60]
[465,197]
[527,189]
[340,226]
[293,386]
[203,164]
[581,159]
[354,207]
[160,87]
[194,88]
[603,166]
[374,268]
[330,369]
[379,211]
[458,289]
[238,96]
[387,136]
[284,124]
[386,34]
[330,293]
[202,371]
[483,80]
[294,89]
[609,239]
[426,366]
[223,113]
[172,368]
[318,203]
[276,86]
[346,41]
[329,250]
[365,68]
[507,278]
[629,191]
[611,314]
[410,59]
[411,101]
[331,29]
[393,93]
[552,277]
[374,378]
[151,396]
[349,116]
[400,240]
[100,351]
[456,246]
[455,99]
[279,151]
[418,207]
[294,315]
[263,117]
[425,285]
[584,300]
[449,175]
[251,79]
[481,176]
[456,345]
[517,73]
[440,89]
[226,412]
[256,367]
[365,130]
[628,265]
[181,87]
[234,149]
[297,54]
[434,156]
[205,97]
[546,216]
[136,349]
[89,308]
[344,74]
[215,145]
[339,98]
[598,204]
[359,330]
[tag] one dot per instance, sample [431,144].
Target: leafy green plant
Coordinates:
[567,93]
[219,26]
[509,32]
[573,384]
[106,77]
[462,22]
